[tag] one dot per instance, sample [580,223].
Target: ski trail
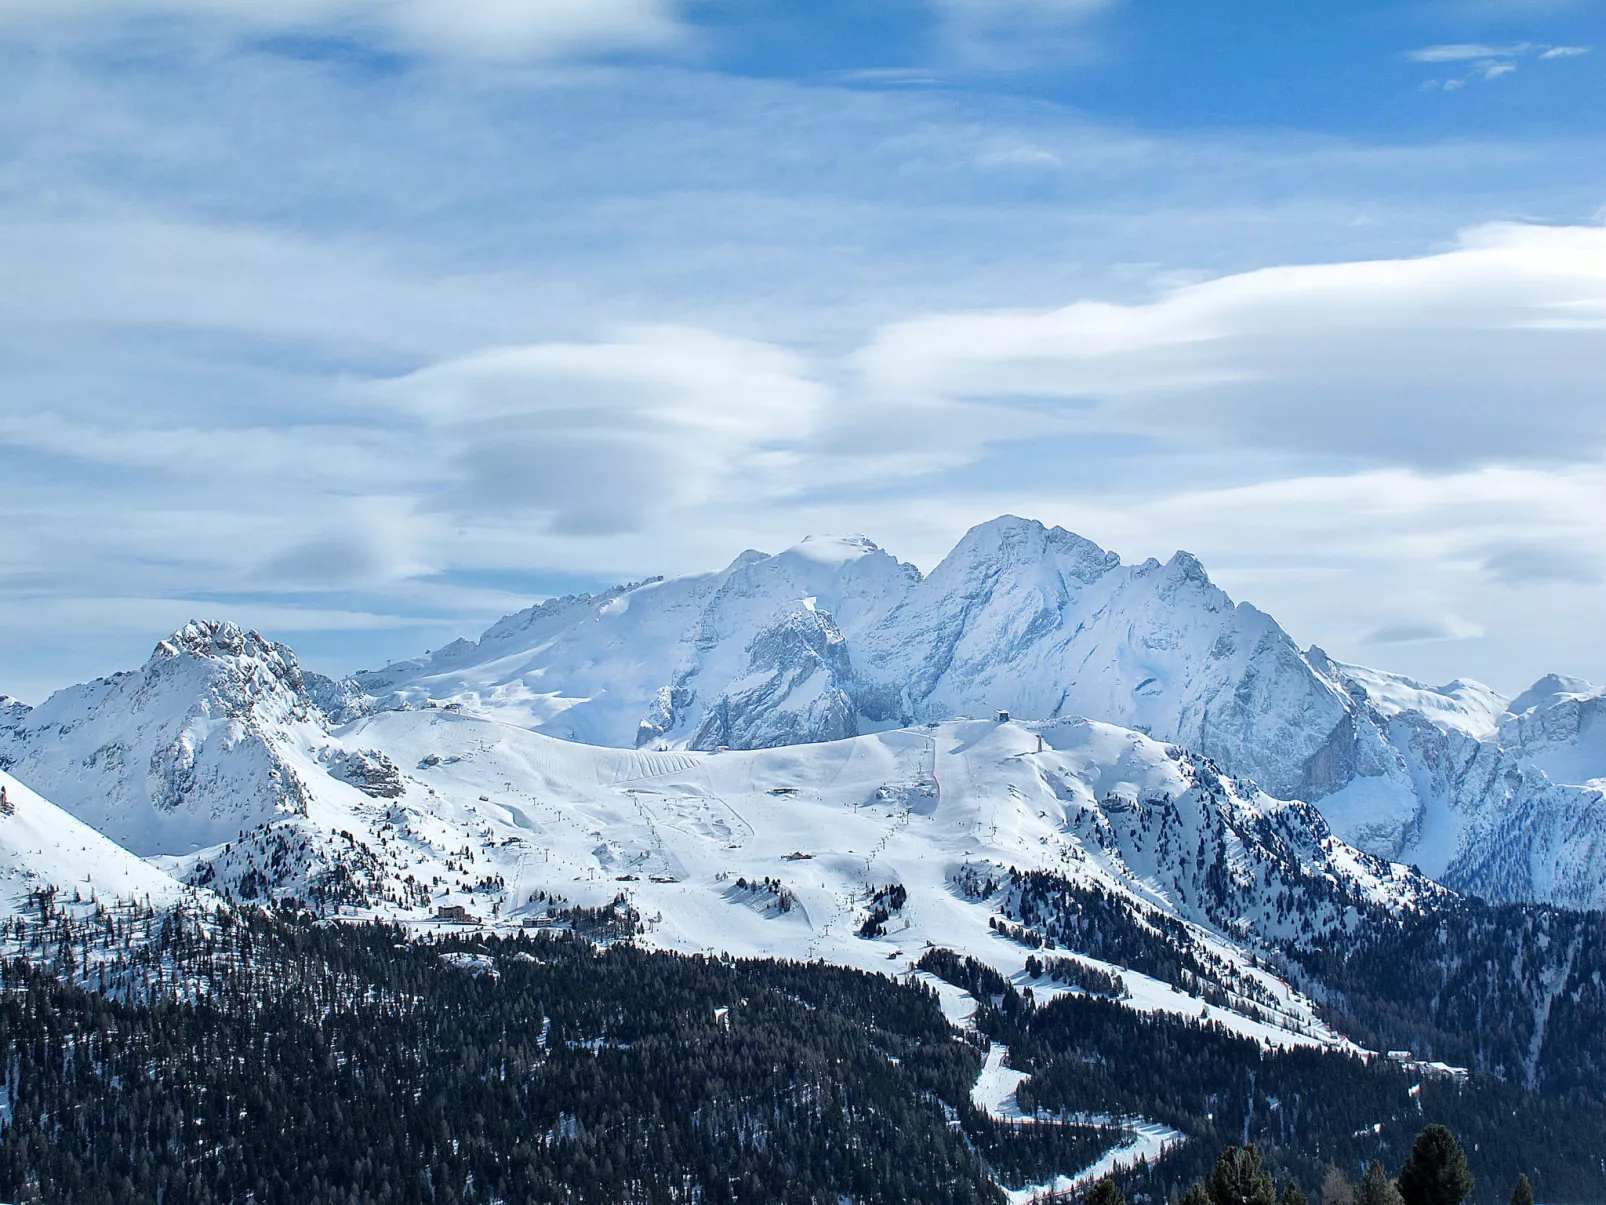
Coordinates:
[652,765]
[1143,1141]
[845,902]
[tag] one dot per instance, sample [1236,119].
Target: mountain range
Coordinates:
[222,759]
[1035,769]
[835,637]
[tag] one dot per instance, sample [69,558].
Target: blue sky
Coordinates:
[367,321]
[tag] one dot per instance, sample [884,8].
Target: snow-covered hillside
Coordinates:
[42,848]
[836,637]
[861,851]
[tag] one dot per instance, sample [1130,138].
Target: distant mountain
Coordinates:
[836,637]
[217,731]
[1558,725]
[221,732]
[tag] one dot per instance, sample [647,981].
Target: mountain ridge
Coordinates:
[1042,622]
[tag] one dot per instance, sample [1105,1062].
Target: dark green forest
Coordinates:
[275,1057]
[321,1063]
[1305,1109]
[1469,984]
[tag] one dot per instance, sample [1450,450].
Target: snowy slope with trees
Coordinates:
[44,850]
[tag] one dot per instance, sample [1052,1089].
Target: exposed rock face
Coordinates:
[1559,726]
[192,747]
[370,771]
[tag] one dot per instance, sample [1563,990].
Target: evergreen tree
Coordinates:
[1522,1192]
[1240,1179]
[1376,1188]
[1291,1195]
[1196,1195]
[1436,1173]
[1106,1192]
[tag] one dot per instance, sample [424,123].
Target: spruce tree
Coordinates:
[1291,1195]
[1240,1179]
[1522,1192]
[1436,1173]
[1106,1192]
[1376,1188]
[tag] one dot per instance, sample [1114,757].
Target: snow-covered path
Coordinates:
[1145,1142]
[994,1094]
[994,1090]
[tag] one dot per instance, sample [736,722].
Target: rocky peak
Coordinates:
[1549,691]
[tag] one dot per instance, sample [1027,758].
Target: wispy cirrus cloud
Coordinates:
[1486,61]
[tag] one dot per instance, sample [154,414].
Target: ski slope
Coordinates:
[780,852]
[43,847]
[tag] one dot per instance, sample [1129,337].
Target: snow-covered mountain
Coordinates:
[836,637]
[218,735]
[43,849]
[215,733]
[221,761]
[221,733]
[1558,725]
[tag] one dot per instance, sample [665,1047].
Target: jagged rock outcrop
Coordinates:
[209,736]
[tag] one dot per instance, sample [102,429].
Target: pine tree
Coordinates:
[1239,1178]
[1522,1192]
[1106,1192]
[1291,1195]
[1376,1188]
[1436,1173]
[1196,1195]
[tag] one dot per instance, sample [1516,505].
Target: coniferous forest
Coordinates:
[315,1063]
[289,1060]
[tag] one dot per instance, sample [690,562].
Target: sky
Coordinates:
[365,322]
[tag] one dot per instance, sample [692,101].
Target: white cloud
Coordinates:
[599,437]
[1009,34]
[190,413]
[1486,61]
[1462,52]
[478,28]
[1492,351]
